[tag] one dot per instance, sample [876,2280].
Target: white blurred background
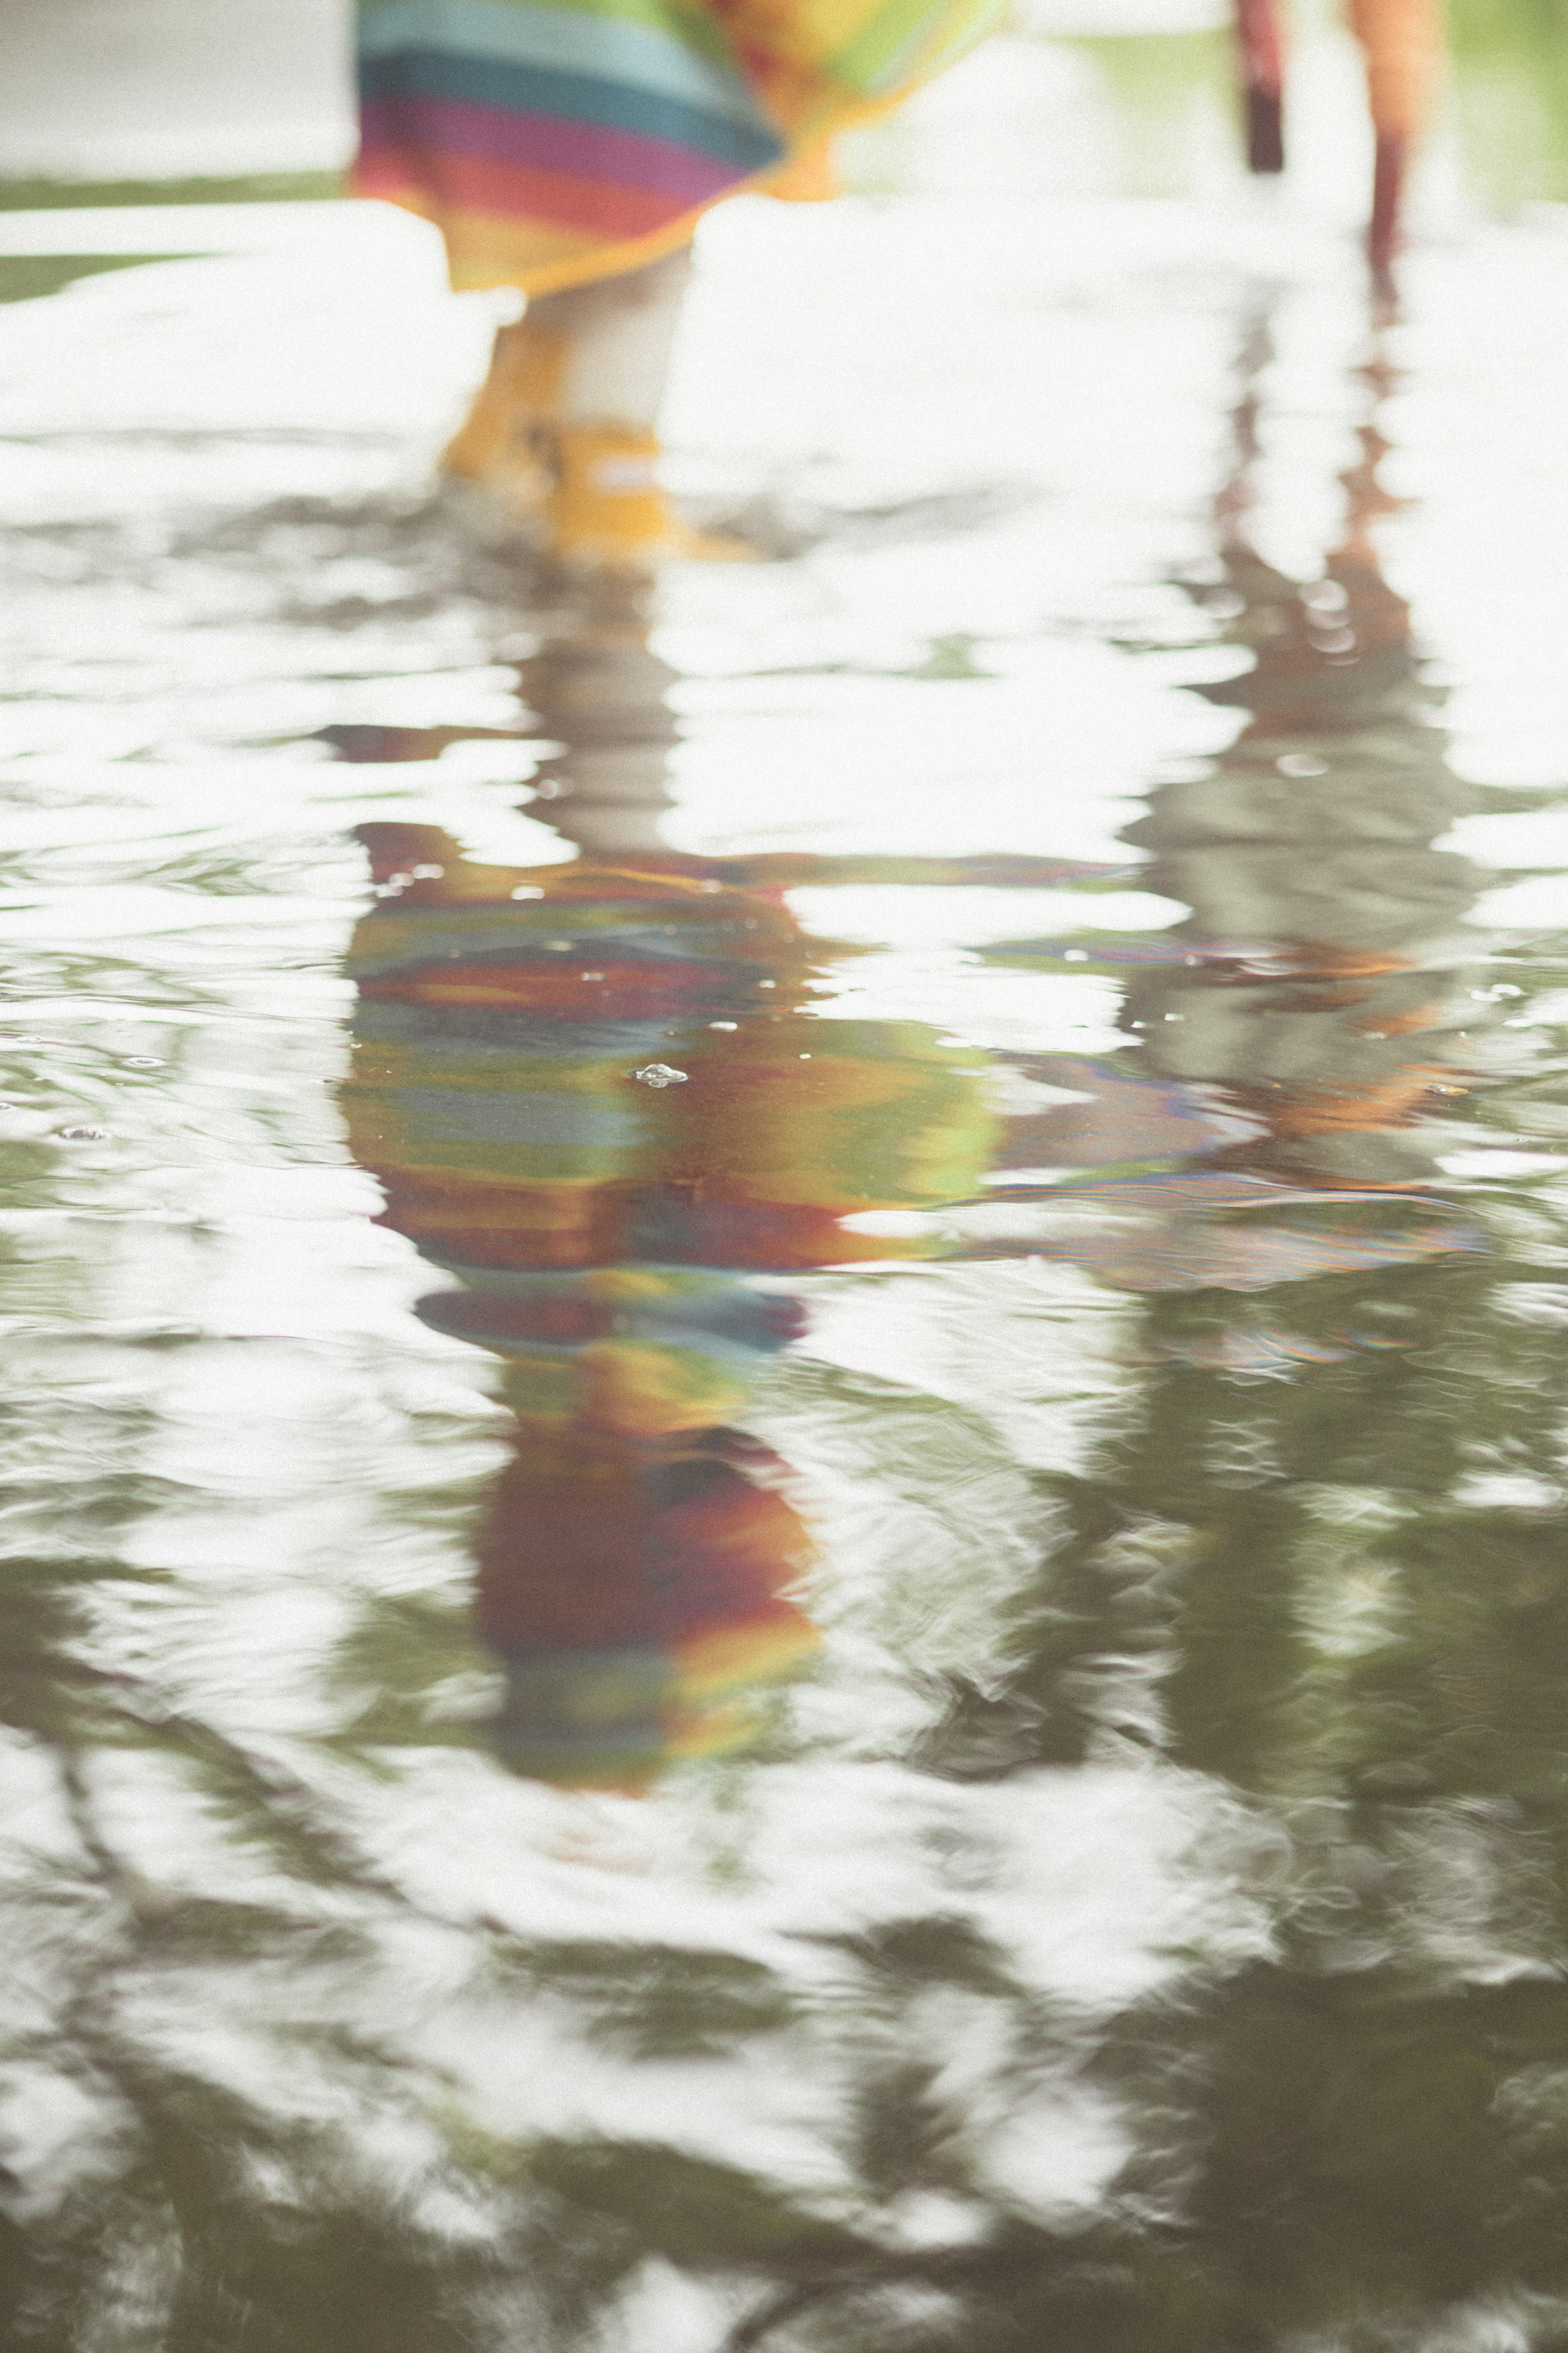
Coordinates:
[1062,104]
[108,89]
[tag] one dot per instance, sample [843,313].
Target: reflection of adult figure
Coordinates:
[1297,1031]
[569,150]
[1317,1003]
[1327,995]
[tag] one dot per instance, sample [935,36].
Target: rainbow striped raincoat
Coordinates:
[553,144]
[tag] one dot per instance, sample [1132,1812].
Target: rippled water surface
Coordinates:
[784,1400]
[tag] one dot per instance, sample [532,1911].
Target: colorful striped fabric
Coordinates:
[625,1250]
[556,145]
[638,1602]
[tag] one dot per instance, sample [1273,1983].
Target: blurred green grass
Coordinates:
[258,188]
[25,276]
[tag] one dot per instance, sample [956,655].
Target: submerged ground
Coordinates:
[908,1691]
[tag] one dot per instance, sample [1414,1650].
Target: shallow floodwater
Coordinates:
[785,1392]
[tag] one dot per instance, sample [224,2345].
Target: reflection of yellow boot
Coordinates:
[507,442]
[607,508]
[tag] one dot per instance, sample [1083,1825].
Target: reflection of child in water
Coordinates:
[614,1239]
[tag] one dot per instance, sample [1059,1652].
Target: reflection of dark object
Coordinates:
[951,2272]
[553,1313]
[1387,193]
[385,744]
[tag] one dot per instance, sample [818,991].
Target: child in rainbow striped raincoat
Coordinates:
[569,150]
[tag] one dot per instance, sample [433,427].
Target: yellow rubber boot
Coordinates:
[607,510]
[507,442]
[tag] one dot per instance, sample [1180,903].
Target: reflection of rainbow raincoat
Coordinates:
[621,1247]
[555,144]
[637,1597]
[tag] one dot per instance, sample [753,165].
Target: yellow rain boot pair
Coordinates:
[589,490]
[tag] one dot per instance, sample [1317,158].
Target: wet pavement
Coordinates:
[784,1420]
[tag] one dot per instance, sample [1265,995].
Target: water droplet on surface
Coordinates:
[1301,764]
[1075,955]
[590,975]
[723,1025]
[143,1063]
[82,1135]
[528,891]
[659,1074]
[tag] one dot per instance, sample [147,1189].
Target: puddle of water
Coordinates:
[906,1690]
